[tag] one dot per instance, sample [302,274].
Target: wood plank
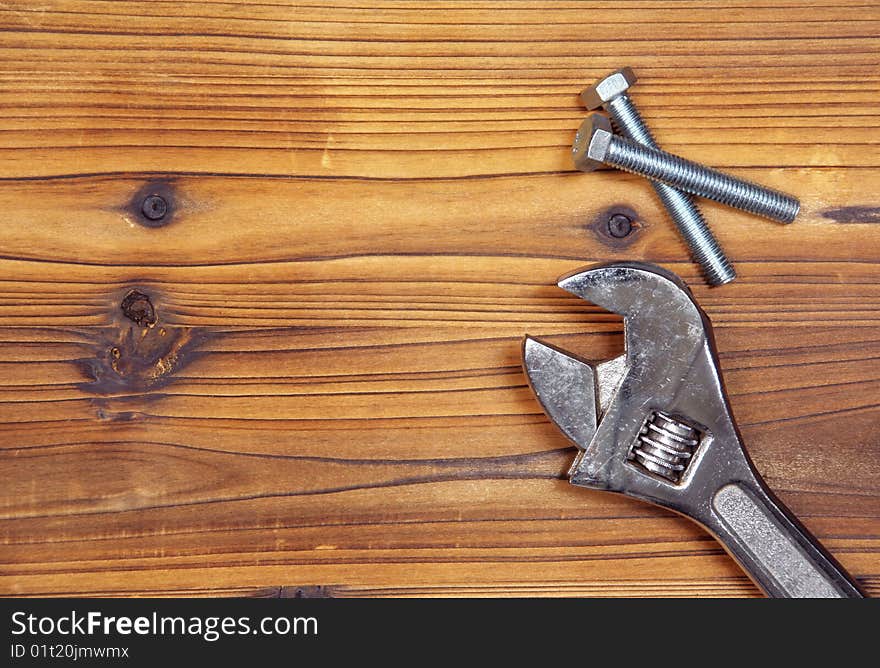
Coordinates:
[369,206]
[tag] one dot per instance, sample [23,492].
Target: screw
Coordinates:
[619,226]
[595,144]
[154,207]
[610,93]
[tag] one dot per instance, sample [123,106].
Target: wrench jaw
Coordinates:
[565,385]
[573,392]
[657,306]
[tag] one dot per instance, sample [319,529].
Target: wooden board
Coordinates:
[369,206]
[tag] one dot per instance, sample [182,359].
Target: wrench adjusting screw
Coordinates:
[665,446]
[611,94]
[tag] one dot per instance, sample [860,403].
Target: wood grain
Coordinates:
[369,206]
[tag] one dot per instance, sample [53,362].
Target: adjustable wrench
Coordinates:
[655,424]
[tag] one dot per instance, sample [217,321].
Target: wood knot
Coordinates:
[137,307]
[853,214]
[139,353]
[306,591]
[617,226]
[153,205]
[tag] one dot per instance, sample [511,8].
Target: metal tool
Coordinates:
[655,424]
[595,144]
[611,92]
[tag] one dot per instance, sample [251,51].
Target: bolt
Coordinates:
[619,226]
[611,93]
[595,144]
[154,207]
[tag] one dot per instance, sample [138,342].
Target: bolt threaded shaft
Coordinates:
[699,180]
[703,245]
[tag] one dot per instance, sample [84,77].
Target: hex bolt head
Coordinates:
[591,143]
[608,88]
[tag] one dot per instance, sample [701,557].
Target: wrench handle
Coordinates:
[778,553]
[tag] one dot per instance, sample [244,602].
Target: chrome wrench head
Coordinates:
[655,424]
[658,407]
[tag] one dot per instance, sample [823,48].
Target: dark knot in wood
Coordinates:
[137,307]
[139,353]
[617,226]
[153,205]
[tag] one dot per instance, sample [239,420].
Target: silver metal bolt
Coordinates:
[595,144]
[611,93]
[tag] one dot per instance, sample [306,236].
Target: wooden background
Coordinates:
[370,204]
